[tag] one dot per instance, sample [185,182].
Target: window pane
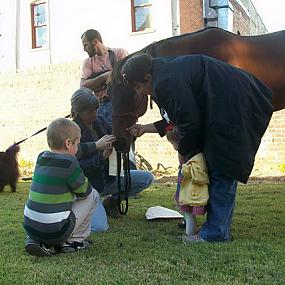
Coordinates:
[143,18]
[141,2]
[40,15]
[41,36]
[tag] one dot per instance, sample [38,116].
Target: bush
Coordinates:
[26,168]
[282,167]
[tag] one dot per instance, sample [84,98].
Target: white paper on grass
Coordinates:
[158,212]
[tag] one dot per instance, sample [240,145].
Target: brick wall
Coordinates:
[241,20]
[271,153]
[191,16]
[30,99]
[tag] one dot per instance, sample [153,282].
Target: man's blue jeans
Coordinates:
[99,221]
[140,180]
[222,192]
[105,111]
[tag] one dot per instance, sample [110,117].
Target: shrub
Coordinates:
[26,168]
[282,167]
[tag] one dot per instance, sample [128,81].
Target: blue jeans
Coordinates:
[222,192]
[99,221]
[105,110]
[140,180]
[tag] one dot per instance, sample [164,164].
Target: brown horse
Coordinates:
[263,56]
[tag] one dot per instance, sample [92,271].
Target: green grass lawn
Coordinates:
[136,251]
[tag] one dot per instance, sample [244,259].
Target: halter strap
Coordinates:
[127,114]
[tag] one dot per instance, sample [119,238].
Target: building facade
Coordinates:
[41,54]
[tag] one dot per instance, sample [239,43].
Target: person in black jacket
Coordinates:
[219,110]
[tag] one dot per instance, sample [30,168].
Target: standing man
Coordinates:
[97,68]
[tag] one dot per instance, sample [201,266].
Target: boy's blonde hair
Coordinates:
[59,131]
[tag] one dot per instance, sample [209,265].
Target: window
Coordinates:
[141,15]
[39,25]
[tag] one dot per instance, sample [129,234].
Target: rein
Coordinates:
[123,209]
[36,133]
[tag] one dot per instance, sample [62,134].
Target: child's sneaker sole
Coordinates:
[36,250]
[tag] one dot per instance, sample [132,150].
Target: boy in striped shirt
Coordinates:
[57,215]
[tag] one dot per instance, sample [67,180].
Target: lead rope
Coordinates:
[36,133]
[123,209]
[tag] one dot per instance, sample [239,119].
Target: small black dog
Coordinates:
[9,171]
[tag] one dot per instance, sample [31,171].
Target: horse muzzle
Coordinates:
[122,145]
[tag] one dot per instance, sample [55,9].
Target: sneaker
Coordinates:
[111,207]
[192,239]
[35,248]
[69,247]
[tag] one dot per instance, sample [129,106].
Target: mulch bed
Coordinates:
[252,180]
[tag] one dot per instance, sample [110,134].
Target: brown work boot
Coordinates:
[111,207]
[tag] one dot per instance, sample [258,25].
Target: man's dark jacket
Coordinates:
[219,109]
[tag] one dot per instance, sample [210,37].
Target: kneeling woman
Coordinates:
[96,133]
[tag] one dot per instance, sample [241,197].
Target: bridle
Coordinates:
[123,194]
[127,114]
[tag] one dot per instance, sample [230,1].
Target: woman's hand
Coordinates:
[105,142]
[136,130]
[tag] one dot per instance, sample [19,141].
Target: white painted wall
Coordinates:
[29,57]
[68,19]
[8,35]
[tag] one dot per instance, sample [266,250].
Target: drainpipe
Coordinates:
[175,17]
[218,13]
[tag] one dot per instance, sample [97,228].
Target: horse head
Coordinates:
[127,106]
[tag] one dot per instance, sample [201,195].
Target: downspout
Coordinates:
[218,13]
[225,14]
[175,17]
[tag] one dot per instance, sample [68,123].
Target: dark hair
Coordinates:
[91,35]
[136,67]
